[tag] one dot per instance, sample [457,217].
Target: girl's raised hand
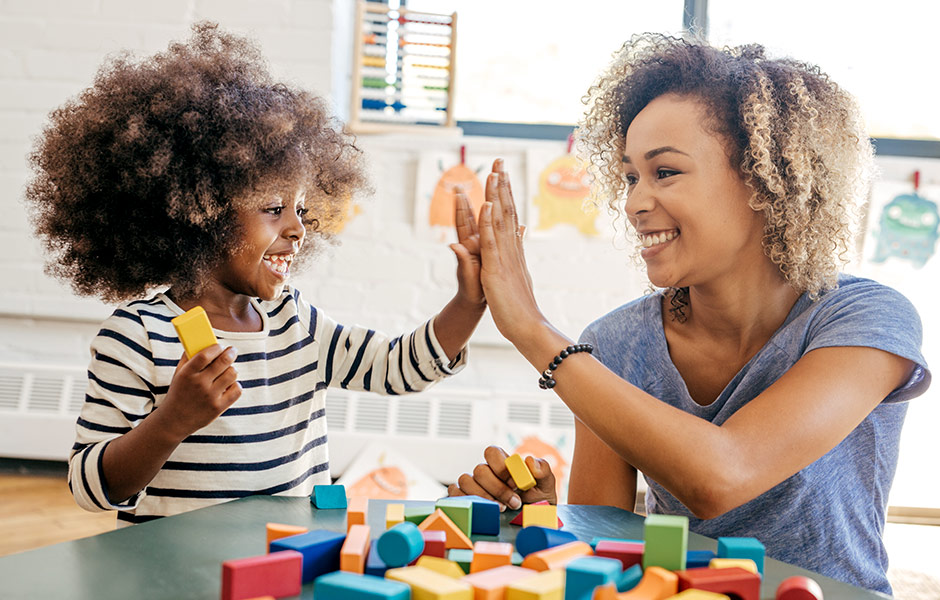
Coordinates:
[504,274]
[202,388]
[467,250]
[491,479]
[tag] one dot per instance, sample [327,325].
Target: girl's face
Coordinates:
[272,234]
[689,207]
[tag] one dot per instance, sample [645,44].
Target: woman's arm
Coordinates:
[598,474]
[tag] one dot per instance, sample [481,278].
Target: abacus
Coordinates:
[403,70]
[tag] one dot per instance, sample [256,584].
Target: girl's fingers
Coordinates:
[489,250]
[463,217]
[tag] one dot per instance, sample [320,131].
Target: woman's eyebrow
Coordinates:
[654,153]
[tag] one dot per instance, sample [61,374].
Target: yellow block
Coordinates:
[694,594]
[547,585]
[430,585]
[194,330]
[543,515]
[441,565]
[726,563]
[520,472]
[394,514]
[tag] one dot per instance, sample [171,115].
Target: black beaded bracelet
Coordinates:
[547,380]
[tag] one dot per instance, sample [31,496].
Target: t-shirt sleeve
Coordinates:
[875,316]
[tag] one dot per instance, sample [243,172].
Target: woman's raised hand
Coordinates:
[505,276]
[491,479]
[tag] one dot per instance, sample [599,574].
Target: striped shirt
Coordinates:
[273,439]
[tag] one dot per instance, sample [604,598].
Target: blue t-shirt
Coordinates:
[830,516]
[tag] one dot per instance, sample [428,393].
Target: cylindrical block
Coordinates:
[534,538]
[401,544]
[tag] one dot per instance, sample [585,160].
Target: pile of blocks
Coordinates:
[426,553]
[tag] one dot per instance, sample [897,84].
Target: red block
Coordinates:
[799,588]
[277,574]
[735,580]
[628,553]
[435,543]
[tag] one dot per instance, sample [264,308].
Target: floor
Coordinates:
[36,509]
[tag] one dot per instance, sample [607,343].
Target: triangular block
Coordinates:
[438,521]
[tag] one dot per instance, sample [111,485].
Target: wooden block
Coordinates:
[194,330]
[320,549]
[357,512]
[584,574]
[520,472]
[438,521]
[657,584]
[735,581]
[435,543]
[352,556]
[401,544]
[557,557]
[329,496]
[276,531]
[743,547]
[462,557]
[394,514]
[698,558]
[699,595]
[666,540]
[597,539]
[431,585]
[541,515]
[485,516]
[277,574]
[491,584]
[460,510]
[533,539]
[442,566]
[417,514]
[724,563]
[342,586]
[608,591]
[489,555]
[630,578]
[517,520]
[374,563]
[548,585]
[799,588]
[628,553]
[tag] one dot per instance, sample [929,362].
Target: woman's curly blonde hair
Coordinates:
[796,137]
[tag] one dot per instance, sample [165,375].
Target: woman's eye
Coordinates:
[664,173]
[631,179]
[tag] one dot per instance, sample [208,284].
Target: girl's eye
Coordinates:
[302,212]
[274,210]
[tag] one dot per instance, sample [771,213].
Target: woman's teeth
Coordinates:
[662,237]
[279,262]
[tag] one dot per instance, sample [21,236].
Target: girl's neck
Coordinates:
[227,311]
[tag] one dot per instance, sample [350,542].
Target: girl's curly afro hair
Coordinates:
[139,180]
[797,139]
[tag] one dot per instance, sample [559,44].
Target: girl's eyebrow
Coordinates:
[654,153]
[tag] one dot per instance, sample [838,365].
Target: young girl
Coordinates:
[194,170]
[761,393]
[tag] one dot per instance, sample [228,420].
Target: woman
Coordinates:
[760,392]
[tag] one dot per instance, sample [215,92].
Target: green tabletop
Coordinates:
[180,557]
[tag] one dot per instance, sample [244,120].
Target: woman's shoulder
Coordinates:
[636,315]
[859,293]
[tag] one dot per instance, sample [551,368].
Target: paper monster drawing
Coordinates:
[908,230]
[564,185]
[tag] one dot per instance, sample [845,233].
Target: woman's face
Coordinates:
[272,234]
[689,207]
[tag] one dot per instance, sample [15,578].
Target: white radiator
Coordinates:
[442,431]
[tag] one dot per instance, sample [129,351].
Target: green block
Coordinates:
[516,558]
[459,510]
[461,557]
[417,514]
[666,540]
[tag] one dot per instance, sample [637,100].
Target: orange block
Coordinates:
[557,557]
[438,521]
[492,583]
[356,511]
[277,531]
[352,556]
[657,584]
[489,555]
[608,591]
[542,515]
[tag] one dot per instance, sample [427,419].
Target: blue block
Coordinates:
[630,578]
[584,574]
[401,544]
[534,538]
[329,496]
[374,563]
[742,547]
[319,547]
[341,585]
[695,559]
[485,516]
[595,540]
